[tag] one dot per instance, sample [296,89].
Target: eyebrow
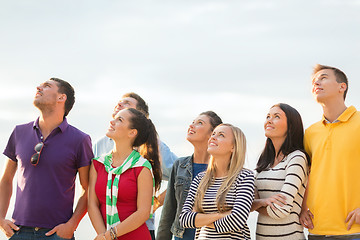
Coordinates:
[322,75]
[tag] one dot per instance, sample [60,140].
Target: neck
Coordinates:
[120,152]
[277,142]
[200,154]
[333,109]
[221,165]
[48,121]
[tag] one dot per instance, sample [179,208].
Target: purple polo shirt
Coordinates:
[45,193]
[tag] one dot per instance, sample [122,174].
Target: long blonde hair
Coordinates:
[235,166]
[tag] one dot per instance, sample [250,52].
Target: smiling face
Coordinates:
[325,87]
[126,102]
[199,130]
[221,142]
[120,126]
[276,124]
[47,95]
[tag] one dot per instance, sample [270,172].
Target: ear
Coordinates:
[62,97]
[133,133]
[343,87]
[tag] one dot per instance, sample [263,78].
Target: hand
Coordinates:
[101,236]
[352,217]
[279,199]
[306,219]
[63,230]
[8,227]
[157,204]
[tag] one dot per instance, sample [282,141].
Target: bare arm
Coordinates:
[6,182]
[159,201]
[66,230]
[305,215]
[93,204]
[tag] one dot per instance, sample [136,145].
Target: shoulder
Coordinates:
[296,156]
[25,126]
[76,133]
[97,164]
[296,153]
[182,161]
[245,174]
[198,178]
[103,140]
[313,127]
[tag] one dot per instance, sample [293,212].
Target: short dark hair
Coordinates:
[68,90]
[294,139]
[340,75]
[141,105]
[215,120]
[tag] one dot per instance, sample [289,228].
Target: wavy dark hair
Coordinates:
[294,139]
[147,141]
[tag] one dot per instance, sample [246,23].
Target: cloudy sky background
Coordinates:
[237,58]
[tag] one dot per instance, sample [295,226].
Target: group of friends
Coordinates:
[302,179]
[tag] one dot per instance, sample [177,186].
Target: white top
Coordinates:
[289,177]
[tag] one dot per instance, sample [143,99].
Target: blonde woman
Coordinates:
[219,200]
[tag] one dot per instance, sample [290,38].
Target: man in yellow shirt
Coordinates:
[331,206]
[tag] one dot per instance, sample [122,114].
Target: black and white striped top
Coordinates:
[289,178]
[239,198]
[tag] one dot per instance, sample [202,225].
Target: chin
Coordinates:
[109,134]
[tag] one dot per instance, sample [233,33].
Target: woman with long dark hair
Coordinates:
[282,175]
[123,183]
[219,200]
[184,170]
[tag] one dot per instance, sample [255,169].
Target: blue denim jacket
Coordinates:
[177,191]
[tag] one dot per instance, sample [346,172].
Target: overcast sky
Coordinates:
[237,58]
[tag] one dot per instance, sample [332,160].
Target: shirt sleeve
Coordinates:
[296,175]
[307,144]
[237,219]
[168,158]
[187,216]
[10,150]
[169,209]
[85,153]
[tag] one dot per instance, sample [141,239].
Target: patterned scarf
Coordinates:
[132,161]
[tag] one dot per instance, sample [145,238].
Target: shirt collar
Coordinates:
[344,117]
[62,126]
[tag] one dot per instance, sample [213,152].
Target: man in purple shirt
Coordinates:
[47,153]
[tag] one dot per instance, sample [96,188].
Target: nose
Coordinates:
[191,125]
[212,137]
[268,120]
[112,122]
[39,88]
[316,82]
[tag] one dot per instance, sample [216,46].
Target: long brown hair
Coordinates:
[147,141]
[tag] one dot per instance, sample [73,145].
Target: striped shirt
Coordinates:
[289,178]
[239,199]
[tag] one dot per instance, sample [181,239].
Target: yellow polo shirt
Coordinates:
[334,182]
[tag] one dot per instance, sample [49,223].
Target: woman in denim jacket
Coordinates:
[183,172]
